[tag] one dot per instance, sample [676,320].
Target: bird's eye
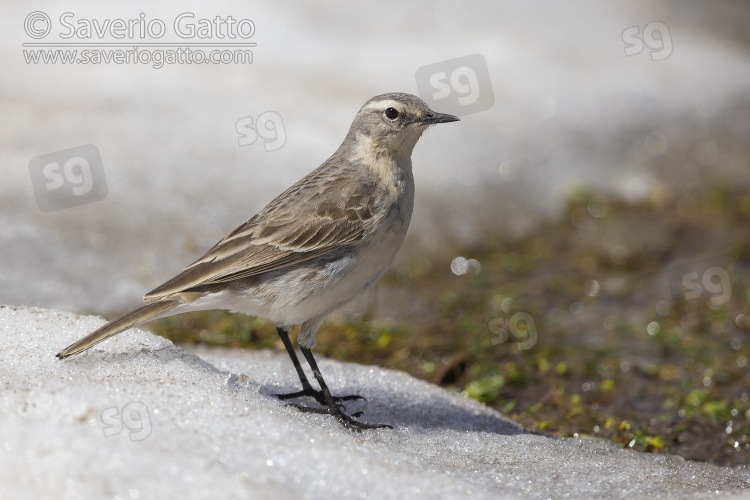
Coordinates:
[391,113]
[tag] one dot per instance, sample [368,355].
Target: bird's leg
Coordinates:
[307,389]
[333,407]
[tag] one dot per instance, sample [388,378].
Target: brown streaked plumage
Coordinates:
[315,247]
[277,237]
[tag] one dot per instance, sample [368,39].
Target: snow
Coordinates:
[203,423]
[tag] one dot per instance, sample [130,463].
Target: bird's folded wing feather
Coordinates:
[337,215]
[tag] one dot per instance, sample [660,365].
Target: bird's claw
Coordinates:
[347,421]
[318,396]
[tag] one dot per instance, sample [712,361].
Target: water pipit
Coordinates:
[319,244]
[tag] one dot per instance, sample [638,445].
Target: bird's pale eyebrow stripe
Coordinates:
[382,105]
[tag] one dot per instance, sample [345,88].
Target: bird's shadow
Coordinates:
[444,411]
[435,408]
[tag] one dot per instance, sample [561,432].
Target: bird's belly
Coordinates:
[326,285]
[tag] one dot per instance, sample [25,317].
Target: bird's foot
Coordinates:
[345,420]
[318,396]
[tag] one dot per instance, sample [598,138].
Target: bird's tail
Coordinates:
[140,315]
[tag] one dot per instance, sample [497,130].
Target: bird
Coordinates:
[325,240]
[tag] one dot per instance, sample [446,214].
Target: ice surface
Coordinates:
[202,423]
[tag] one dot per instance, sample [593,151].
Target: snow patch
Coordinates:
[137,417]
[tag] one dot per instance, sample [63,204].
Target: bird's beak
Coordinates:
[433,117]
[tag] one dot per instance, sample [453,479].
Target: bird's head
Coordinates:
[390,125]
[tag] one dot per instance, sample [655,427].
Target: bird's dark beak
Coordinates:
[433,117]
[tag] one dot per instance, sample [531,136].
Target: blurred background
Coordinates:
[579,246]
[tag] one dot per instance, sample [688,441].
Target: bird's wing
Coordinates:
[318,215]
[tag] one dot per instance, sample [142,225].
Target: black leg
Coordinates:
[333,407]
[307,389]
